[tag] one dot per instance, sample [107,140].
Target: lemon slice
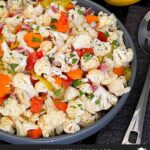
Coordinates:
[121,2]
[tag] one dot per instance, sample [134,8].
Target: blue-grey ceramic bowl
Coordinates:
[98,125]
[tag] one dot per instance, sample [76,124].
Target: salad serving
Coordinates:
[61,66]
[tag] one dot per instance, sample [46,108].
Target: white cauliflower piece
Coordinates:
[40,87]
[23,126]
[71,126]
[10,37]
[50,121]
[88,119]
[60,59]
[82,41]
[22,97]
[93,63]
[13,57]
[3,10]
[118,86]
[42,66]
[75,109]
[122,57]
[101,48]
[75,18]
[12,108]
[23,82]
[6,124]
[107,21]
[86,88]
[32,12]
[58,38]
[96,76]
[46,47]
[43,20]
[71,93]
[22,43]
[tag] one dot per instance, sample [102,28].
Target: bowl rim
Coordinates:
[99,124]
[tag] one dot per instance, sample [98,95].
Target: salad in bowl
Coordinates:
[61,67]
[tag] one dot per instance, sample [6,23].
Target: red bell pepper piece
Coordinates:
[102,37]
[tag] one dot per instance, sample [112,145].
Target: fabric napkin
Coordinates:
[115,131]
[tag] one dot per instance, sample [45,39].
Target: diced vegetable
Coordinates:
[32,58]
[115,44]
[36,105]
[12,68]
[14,45]
[127,73]
[4,85]
[77,83]
[119,71]
[1,65]
[34,133]
[58,80]
[67,82]
[1,51]
[87,57]
[91,18]
[80,12]
[70,6]
[102,36]
[83,51]
[18,28]
[59,92]
[33,39]
[60,105]
[75,74]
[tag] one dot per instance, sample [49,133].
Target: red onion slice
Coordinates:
[94,88]
[88,11]
[104,67]
[27,27]
[54,9]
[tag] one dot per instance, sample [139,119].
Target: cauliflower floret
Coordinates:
[40,87]
[58,38]
[93,63]
[12,57]
[10,37]
[14,21]
[122,57]
[87,119]
[42,66]
[14,5]
[100,77]
[107,21]
[23,126]
[22,43]
[3,10]
[46,47]
[82,41]
[101,48]
[118,86]
[43,20]
[96,76]
[71,93]
[60,59]
[6,124]
[75,109]
[22,97]
[86,88]
[71,126]
[23,82]
[50,121]
[76,19]
[12,108]
[32,12]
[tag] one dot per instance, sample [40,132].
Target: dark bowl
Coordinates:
[98,125]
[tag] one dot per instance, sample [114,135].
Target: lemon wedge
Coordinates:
[121,2]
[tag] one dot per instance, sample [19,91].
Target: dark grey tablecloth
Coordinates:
[114,132]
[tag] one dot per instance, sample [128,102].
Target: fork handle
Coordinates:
[136,124]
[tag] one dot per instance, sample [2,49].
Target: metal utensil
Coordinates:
[134,131]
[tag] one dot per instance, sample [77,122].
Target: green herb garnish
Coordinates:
[58,92]
[51,59]
[74,107]
[80,12]
[72,55]
[34,39]
[1,6]
[81,93]
[90,96]
[53,27]
[87,57]
[74,61]
[53,20]
[77,83]
[97,102]
[106,34]
[115,44]
[12,68]
[37,28]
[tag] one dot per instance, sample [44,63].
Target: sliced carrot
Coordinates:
[119,71]
[91,18]
[60,105]
[33,39]
[75,74]
[18,28]
[4,85]
[36,105]
[35,133]
[70,6]
[58,80]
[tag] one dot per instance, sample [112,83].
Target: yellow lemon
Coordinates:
[121,2]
